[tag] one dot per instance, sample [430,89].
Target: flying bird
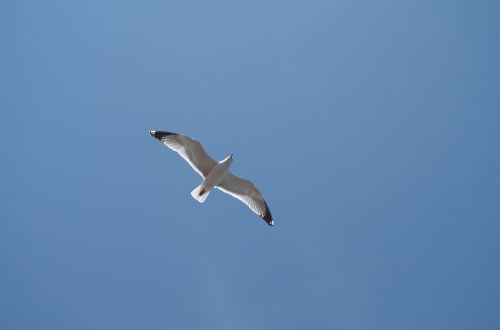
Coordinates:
[215,174]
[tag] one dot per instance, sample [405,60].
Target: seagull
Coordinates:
[215,174]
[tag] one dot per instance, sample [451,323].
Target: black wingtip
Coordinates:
[268,216]
[160,134]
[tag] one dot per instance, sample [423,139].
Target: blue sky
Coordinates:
[371,127]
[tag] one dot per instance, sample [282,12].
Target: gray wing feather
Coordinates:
[246,192]
[189,149]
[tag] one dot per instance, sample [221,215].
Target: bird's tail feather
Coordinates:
[199,194]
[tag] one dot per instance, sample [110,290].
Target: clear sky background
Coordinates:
[371,127]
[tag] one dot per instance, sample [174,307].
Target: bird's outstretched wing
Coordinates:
[246,192]
[189,149]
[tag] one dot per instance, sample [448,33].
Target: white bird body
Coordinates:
[214,178]
[215,174]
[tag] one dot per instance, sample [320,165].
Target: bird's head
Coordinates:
[229,158]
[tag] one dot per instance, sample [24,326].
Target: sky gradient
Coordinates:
[371,128]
